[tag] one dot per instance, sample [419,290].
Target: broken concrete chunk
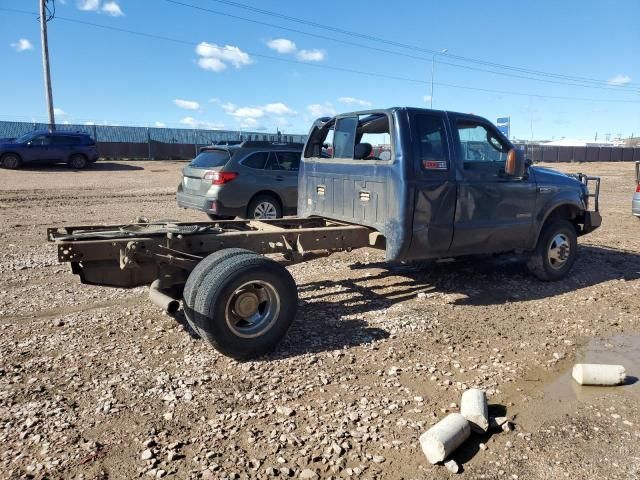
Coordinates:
[598,374]
[452,466]
[473,407]
[444,437]
[496,423]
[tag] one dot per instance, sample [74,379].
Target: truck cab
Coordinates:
[438,184]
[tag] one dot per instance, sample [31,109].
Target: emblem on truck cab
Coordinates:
[434,165]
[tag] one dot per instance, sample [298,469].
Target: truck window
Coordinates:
[480,144]
[344,137]
[432,150]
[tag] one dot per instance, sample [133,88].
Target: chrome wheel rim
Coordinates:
[559,250]
[265,210]
[252,309]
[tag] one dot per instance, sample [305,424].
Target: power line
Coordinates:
[401,54]
[324,66]
[408,46]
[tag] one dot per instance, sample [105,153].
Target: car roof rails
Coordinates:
[265,143]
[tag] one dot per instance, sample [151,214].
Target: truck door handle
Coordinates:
[279,178]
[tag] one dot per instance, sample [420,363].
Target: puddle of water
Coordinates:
[618,350]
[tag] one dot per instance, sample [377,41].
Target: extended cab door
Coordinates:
[435,187]
[494,213]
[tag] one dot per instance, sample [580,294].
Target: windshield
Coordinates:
[25,138]
[210,158]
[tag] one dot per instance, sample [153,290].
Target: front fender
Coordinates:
[550,204]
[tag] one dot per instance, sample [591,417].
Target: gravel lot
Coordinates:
[98,383]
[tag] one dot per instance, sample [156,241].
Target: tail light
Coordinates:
[220,178]
[638,188]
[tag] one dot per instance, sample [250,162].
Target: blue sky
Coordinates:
[220,76]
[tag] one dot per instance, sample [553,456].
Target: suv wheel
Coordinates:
[10,160]
[264,207]
[77,162]
[556,251]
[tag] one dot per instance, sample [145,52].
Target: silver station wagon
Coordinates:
[250,180]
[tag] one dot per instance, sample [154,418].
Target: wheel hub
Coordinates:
[559,250]
[252,309]
[246,304]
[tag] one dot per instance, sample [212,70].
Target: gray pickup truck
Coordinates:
[418,184]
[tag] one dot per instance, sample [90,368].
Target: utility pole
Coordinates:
[433,71]
[44,18]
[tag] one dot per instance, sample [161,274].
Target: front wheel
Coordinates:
[556,251]
[245,305]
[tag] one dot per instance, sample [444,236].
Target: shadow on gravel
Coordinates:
[486,280]
[93,167]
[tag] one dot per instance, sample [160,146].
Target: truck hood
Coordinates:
[550,176]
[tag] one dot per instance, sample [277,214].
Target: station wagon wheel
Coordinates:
[77,161]
[10,161]
[556,251]
[245,305]
[264,207]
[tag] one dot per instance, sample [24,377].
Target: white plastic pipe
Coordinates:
[598,374]
[444,437]
[473,407]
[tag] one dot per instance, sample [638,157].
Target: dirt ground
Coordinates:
[98,383]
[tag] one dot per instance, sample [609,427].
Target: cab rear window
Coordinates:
[210,158]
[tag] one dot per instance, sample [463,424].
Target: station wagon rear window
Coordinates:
[210,158]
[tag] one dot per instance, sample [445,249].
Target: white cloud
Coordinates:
[59,111]
[229,107]
[248,112]
[186,104]
[427,98]
[313,55]
[321,110]
[253,124]
[89,5]
[21,45]
[193,123]
[215,58]
[282,45]
[112,8]
[279,108]
[213,64]
[160,124]
[355,101]
[619,80]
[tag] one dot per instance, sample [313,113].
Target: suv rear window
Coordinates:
[210,158]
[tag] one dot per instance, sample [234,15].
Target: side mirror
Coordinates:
[515,165]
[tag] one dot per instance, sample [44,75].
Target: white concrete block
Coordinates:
[598,374]
[473,407]
[444,437]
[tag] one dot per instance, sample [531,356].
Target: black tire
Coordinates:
[272,299]
[556,251]
[215,218]
[197,275]
[10,161]
[77,161]
[262,204]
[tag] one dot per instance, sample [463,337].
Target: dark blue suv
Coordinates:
[77,150]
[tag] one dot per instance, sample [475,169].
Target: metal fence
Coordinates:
[542,153]
[147,142]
